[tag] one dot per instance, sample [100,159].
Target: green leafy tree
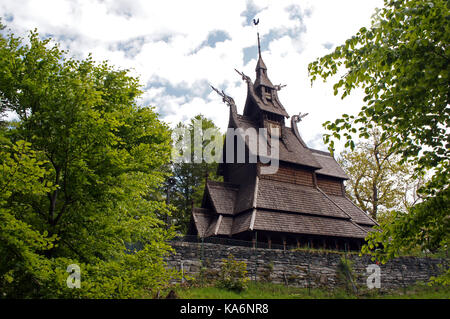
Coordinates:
[401,62]
[378,184]
[190,175]
[94,159]
[20,244]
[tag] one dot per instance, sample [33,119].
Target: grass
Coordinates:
[277,291]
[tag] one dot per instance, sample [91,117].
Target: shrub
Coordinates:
[233,274]
[206,276]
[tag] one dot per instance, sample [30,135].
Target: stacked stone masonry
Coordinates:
[301,268]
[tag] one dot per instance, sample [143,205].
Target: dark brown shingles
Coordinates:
[295,198]
[223,196]
[329,165]
[367,228]
[212,226]
[304,224]
[202,220]
[261,77]
[241,222]
[355,212]
[245,196]
[225,225]
[271,106]
[296,153]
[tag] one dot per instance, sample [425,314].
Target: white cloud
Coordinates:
[159,42]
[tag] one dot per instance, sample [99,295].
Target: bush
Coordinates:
[233,274]
[206,276]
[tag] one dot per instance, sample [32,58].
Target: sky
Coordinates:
[179,48]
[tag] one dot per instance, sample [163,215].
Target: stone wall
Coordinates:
[301,268]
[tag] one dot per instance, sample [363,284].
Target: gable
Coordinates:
[222,196]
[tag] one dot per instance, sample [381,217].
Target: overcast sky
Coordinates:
[178,48]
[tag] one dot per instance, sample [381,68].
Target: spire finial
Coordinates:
[259,46]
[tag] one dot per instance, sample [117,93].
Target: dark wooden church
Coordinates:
[303,204]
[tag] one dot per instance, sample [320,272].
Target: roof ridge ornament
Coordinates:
[246,78]
[279,87]
[297,119]
[228,100]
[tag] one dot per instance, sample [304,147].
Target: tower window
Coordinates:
[267,93]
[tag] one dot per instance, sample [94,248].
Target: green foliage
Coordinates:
[190,176]
[20,244]
[81,169]
[378,182]
[206,276]
[442,280]
[401,62]
[426,227]
[233,274]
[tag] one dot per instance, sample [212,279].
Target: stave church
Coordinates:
[303,203]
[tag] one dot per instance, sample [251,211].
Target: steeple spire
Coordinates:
[260,64]
[262,98]
[259,46]
[261,70]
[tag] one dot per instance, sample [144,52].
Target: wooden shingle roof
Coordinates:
[241,222]
[351,209]
[281,196]
[271,106]
[245,197]
[225,225]
[281,207]
[329,165]
[223,196]
[202,220]
[304,224]
[296,153]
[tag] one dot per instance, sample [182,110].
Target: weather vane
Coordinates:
[256,22]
